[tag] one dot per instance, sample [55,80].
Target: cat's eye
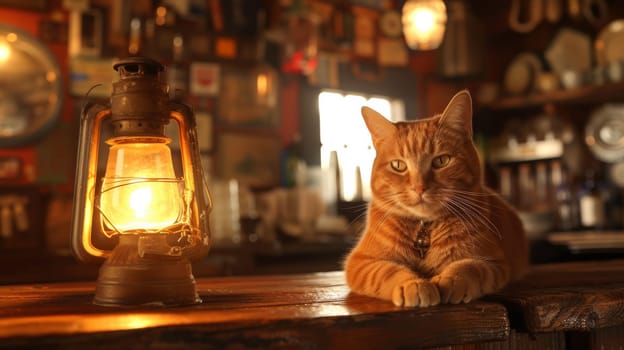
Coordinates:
[398,165]
[441,161]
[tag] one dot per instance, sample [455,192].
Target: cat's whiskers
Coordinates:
[473,196]
[468,227]
[396,201]
[484,219]
[383,206]
[478,222]
[468,216]
[361,208]
[387,239]
[469,221]
[457,213]
[477,209]
[472,209]
[470,195]
[467,206]
[389,206]
[478,197]
[478,205]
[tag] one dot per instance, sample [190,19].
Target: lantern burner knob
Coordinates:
[138,67]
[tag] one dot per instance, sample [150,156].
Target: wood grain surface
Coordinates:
[317,311]
[297,311]
[580,296]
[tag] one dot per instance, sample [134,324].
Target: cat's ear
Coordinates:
[458,113]
[379,127]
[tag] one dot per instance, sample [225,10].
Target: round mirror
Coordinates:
[30,87]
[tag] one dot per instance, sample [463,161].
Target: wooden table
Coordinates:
[581,303]
[556,306]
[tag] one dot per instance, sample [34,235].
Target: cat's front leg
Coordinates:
[468,279]
[416,292]
[389,280]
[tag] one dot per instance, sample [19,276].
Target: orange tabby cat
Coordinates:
[435,233]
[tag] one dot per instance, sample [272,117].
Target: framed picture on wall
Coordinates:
[248,97]
[86,33]
[10,168]
[204,79]
[251,159]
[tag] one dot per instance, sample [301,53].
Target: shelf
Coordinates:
[529,151]
[611,92]
[589,241]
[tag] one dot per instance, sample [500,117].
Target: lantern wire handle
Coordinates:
[181,226]
[85,98]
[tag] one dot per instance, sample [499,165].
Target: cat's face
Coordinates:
[423,166]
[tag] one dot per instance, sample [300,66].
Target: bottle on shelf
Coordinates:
[542,188]
[591,203]
[566,205]
[526,188]
[292,163]
[506,184]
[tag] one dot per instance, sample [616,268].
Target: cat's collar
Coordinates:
[423,238]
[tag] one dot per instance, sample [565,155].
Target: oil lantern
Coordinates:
[138,206]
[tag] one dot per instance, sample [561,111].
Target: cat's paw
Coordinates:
[416,293]
[455,289]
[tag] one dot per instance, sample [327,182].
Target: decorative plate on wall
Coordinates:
[570,49]
[390,24]
[521,72]
[604,133]
[609,44]
[30,88]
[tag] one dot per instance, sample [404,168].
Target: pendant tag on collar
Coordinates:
[423,239]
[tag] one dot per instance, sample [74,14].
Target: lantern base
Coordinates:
[127,279]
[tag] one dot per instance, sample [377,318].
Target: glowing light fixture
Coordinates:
[5,46]
[5,52]
[424,23]
[147,218]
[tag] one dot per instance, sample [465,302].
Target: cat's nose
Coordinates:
[419,188]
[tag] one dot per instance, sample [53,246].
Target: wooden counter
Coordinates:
[252,312]
[557,306]
[580,296]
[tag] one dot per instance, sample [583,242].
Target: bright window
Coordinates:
[343,131]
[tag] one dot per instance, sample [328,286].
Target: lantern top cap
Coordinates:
[138,65]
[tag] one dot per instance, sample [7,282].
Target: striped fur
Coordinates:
[477,241]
